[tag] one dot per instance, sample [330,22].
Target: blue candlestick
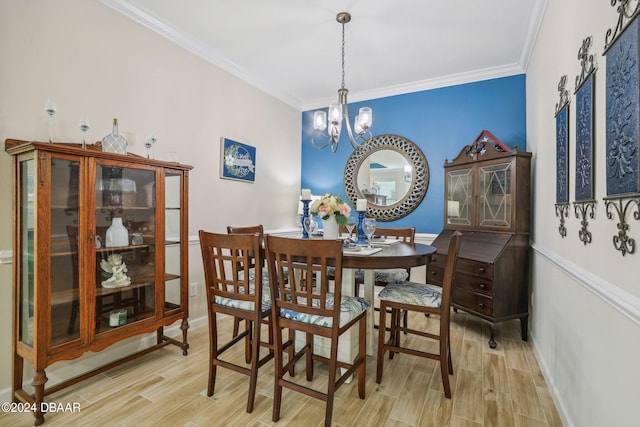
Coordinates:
[361,236]
[305,214]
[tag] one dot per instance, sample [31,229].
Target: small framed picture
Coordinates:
[237,160]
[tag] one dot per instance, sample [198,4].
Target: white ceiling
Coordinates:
[291,48]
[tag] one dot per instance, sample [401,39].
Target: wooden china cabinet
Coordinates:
[487,198]
[66,299]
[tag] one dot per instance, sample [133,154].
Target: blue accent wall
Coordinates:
[439,121]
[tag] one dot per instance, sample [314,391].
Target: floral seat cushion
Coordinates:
[385,276]
[248,305]
[412,293]
[350,307]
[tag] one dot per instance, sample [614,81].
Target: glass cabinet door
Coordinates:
[494,196]
[64,316]
[125,279]
[26,194]
[173,238]
[458,209]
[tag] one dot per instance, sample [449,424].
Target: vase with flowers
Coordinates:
[333,212]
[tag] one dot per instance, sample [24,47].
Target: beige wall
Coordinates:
[586,298]
[94,61]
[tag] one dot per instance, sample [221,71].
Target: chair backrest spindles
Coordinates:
[228,260]
[298,274]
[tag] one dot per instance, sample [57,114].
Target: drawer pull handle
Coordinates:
[483,286]
[481,305]
[481,270]
[433,273]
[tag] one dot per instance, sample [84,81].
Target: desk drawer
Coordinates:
[476,268]
[471,275]
[472,301]
[435,274]
[466,281]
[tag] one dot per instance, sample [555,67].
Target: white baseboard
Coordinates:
[553,390]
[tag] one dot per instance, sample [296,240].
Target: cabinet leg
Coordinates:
[39,379]
[185,345]
[524,328]
[492,341]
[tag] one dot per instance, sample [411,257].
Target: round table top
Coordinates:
[398,255]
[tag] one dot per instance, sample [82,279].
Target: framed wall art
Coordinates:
[562,144]
[237,161]
[584,124]
[622,112]
[622,49]
[562,155]
[584,204]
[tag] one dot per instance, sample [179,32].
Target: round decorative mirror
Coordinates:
[389,171]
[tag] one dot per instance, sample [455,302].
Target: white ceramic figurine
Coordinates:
[116,266]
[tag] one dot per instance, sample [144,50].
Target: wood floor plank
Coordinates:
[548,407]
[494,374]
[468,401]
[436,410]
[498,409]
[524,395]
[376,407]
[408,406]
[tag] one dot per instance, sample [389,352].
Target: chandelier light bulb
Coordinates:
[364,118]
[319,120]
[335,113]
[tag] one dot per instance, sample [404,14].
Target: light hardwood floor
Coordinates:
[501,387]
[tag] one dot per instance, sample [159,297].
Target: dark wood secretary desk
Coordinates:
[488,199]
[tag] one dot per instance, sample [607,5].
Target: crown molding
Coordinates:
[535,21]
[418,86]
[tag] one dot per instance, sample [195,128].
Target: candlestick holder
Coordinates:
[305,214]
[361,236]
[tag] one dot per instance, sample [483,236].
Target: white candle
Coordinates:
[361,205]
[306,194]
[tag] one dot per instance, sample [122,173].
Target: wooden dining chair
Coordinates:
[422,298]
[385,276]
[294,265]
[232,263]
[249,229]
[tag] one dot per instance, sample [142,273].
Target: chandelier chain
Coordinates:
[343,55]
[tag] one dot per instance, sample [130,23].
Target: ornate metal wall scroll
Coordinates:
[623,121]
[585,203]
[562,155]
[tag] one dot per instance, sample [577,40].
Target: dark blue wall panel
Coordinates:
[440,121]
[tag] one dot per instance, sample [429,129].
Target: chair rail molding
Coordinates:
[6,257]
[621,300]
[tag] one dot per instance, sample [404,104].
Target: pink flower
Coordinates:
[324,210]
[345,210]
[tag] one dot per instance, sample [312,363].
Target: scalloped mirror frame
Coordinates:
[419,181]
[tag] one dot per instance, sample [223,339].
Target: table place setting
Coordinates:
[353,249]
[383,241]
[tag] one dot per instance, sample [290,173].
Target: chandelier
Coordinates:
[338,112]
